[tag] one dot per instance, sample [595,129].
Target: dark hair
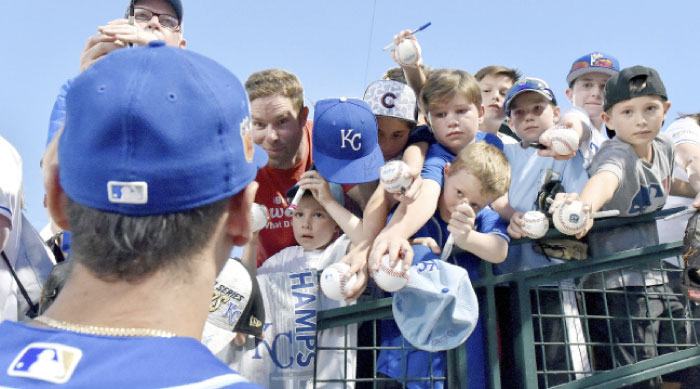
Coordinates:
[397,74]
[117,247]
[695,116]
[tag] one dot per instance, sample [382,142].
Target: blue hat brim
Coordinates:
[343,171]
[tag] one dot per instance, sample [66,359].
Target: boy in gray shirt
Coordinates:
[631,173]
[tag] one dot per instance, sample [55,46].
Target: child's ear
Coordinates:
[606,119]
[570,95]
[557,113]
[482,111]
[446,169]
[667,105]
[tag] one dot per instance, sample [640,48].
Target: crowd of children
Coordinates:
[479,152]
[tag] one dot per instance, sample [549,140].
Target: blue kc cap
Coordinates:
[156,130]
[345,146]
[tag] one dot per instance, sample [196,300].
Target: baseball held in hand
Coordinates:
[564,141]
[407,52]
[259,217]
[536,224]
[570,219]
[393,176]
[388,278]
[333,282]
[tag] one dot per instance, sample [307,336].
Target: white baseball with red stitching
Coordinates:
[570,219]
[536,224]
[333,283]
[388,278]
[393,176]
[407,52]
[564,141]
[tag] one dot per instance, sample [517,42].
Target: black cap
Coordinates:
[618,88]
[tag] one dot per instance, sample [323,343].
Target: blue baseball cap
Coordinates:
[595,62]
[155,130]
[437,310]
[345,145]
[528,84]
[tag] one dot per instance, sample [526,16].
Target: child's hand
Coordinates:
[398,39]
[515,228]
[546,140]
[358,265]
[240,339]
[568,198]
[427,241]
[317,185]
[397,247]
[413,190]
[461,223]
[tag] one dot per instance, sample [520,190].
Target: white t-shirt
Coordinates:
[28,256]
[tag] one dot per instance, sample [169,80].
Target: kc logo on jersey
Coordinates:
[51,362]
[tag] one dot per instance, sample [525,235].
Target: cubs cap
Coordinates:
[156,130]
[437,310]
[345,147]
[528,84]
[391,99]
[236,307]
[595,62]
[176,4]
[618,89]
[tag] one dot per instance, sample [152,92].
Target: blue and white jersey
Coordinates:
[33,357]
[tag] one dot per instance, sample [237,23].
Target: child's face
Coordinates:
[313,227]
[393,135]
[461,187]
[531,114]
[587,93]
[455,122]
[637,121]
[494,88]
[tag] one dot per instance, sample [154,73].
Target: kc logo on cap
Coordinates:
[345,146]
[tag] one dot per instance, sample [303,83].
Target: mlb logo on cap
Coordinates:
[345,146]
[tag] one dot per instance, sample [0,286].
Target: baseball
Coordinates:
[564,141]
[333,283]
[407,52]
[390,279]
[259,217]
[570,219]
[393,176]
[536,224]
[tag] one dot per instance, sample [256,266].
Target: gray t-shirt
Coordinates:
[643,188]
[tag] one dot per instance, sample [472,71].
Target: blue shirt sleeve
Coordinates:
[489,222]
[435,160]
[489,138]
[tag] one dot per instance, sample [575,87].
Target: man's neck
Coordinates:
[88,300]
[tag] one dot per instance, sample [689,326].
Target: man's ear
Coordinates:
[303,116]
[55,197]
[238,220]
[183,43]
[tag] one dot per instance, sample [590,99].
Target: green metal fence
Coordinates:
[521,359]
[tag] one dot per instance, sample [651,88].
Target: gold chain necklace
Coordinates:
[106,331]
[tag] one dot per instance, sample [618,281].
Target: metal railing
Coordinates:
[602,368]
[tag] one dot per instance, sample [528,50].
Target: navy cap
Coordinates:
[156,130]
[528,84]
[618,89]
[345,145]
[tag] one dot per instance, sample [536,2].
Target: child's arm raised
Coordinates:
[318,186]
[413,72]
[250,253]
[687,155]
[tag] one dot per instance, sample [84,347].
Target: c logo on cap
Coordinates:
[388,100]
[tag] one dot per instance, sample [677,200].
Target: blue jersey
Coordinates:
[438,156]
[33,357]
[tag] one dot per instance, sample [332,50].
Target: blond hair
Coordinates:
[487,163]
[275,81]
[443,85]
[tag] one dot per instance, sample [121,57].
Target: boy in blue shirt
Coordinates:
[479,174]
